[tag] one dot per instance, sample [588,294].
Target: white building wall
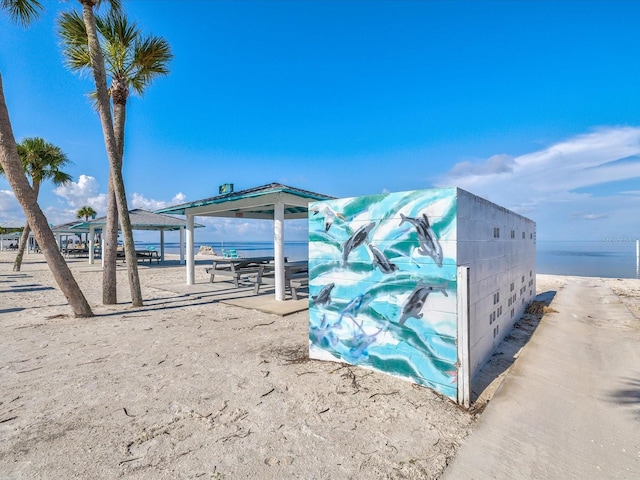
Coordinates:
[499,247]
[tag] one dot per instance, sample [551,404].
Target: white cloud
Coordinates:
[591,216]
[140,201]
[493,165]
[11,214]
[550,185]
[83,192]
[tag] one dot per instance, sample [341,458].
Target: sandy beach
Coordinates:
[188,387]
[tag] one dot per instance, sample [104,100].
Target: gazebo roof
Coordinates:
[69,228]
[257,203]
[140,220]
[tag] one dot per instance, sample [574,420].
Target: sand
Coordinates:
[188,387]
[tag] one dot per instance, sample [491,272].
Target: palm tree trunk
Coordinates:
[24,238]
[22,246]
[110,250]
[14,172]
[109,283]
[100,78]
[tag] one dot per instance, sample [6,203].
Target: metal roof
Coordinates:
[140,220]
[257,202]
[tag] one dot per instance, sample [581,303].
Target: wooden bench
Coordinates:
[236,268]
[297,284]
[296,275]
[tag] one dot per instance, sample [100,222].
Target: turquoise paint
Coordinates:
[364,320]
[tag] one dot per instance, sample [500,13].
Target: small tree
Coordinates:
[86,212]
[41,161]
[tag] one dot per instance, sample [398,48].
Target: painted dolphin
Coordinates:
[329,215]
[324,296]
[353,307]
[323,335]
[359,237]
[381,260]
[415,302]
[429,244]
[362,341]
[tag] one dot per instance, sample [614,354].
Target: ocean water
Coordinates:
[588,259]
[294,251]
[585,259]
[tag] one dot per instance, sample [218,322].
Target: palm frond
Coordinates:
[115,5]
[42,160]
[151,59]
[22,11]
[60,178]
[73,36]
[131,60]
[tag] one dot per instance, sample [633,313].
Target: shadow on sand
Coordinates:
[493,372]
[10,310]
[628,396]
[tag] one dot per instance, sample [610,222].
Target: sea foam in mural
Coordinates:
[382,284]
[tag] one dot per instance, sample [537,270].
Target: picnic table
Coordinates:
[75,252]
[141,255]
[296,275]
[150,255]
[237,267]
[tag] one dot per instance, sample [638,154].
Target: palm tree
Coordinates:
[116,181]
[41,161]
[24,11]
[132,61]
[86,212]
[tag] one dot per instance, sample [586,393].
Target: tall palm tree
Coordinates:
[132,61]
[86,212]
[41,161]
[23,11]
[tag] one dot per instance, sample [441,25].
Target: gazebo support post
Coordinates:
[92,233]
[162,245]
[191,271]
[182,245]
[278,248]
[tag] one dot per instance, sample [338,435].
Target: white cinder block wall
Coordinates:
[499,247]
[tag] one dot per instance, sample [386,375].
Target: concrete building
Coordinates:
[421,284]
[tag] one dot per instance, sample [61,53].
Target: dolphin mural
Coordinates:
[358,238]
[429,244]
[371,276]
[414,303]
[381,261]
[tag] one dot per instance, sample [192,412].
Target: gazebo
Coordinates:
[274,201]
[140,220]
[66,230]
[9,234]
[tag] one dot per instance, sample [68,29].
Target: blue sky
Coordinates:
[532,105]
